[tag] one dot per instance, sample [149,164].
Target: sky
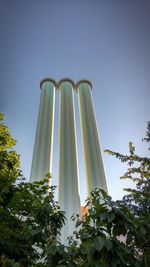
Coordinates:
[105,41]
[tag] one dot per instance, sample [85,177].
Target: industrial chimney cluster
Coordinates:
[68,193]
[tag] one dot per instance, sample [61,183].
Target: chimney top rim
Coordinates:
[84,81]
[48,80]
[66,80]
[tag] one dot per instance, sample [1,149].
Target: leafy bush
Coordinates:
[112,234]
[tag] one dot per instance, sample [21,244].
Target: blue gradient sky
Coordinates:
[107,42]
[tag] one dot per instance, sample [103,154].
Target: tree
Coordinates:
[138,199]
[30,219]
[115,233]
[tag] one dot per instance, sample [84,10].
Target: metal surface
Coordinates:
[95,174]
[68,167]
[68,189]
[42,155]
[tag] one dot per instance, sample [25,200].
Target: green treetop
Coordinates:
[30,219]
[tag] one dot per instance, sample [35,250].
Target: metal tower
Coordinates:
[68,178]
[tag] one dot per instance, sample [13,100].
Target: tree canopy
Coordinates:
[30,219]
[112,234]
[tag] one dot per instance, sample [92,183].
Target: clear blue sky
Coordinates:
[105,41]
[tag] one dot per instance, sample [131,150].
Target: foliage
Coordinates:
[138,199]
[113,234]
[29,217]
[108,224]
[9,163]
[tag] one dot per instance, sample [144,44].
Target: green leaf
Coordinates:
[99,243]
[108,244]
[78,223]
[110,216]
[60,249]
[16,264]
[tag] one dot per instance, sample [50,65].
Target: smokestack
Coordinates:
[42,155]
[69,200]
[68,188]
[94,168]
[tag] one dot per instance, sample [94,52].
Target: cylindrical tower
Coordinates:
[42,155]
[68,166]
[95,174]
